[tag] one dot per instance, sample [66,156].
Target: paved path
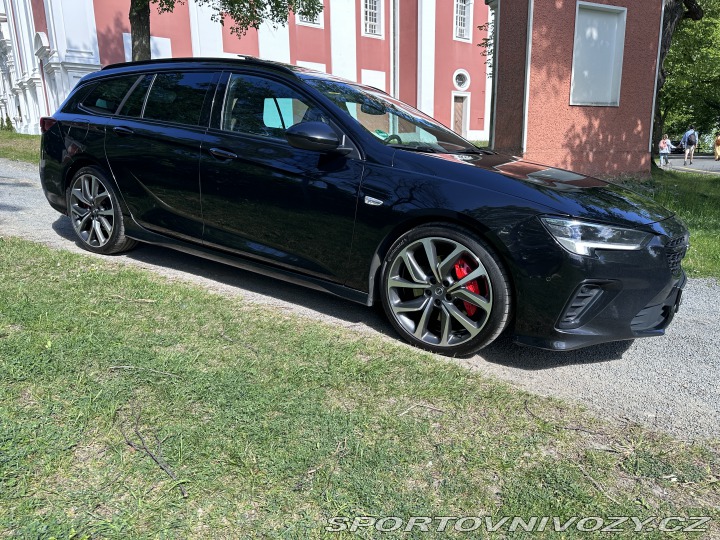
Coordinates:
[671,383]
[700,164]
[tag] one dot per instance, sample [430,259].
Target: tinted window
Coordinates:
[107,95]
[178,97]
[76,98]
[263,107]
[390,120]
[134,102]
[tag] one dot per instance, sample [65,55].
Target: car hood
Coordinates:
[563,191]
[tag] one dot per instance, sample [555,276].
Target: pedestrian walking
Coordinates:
[717,146]
[664,148]
[689,142]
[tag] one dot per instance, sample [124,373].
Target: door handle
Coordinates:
[219,153]
[123,131]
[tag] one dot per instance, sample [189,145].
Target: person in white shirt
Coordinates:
[664,147]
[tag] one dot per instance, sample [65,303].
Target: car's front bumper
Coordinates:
[566,301]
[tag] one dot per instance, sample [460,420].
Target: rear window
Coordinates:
[178,97]
[106,97]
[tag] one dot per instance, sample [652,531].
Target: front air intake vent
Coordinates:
[580,302]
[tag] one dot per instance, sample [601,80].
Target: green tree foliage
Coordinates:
[691,93]
[245,14]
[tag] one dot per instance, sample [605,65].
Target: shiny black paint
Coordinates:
[157,168]
[300,215]
[280,204]
[314,136]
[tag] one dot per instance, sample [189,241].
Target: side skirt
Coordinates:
[139,233]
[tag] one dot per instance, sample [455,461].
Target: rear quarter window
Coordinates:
[75,99]
[107,95]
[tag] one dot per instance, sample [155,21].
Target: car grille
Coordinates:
[675,250]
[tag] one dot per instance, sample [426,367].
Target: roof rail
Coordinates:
[241,58]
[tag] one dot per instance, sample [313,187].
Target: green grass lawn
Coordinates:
[20,147]
[272,424]
[696,199]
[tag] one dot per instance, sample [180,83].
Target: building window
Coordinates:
[372,18]
[597,55]
[461,79]
[315,22]
[463,19]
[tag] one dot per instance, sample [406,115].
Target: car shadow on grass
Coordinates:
[502,352]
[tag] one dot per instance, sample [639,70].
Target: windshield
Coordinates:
[393,122]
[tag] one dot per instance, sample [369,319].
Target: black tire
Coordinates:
[94,209]
[455,307]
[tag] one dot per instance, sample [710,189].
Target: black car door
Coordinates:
[265,199]
[153,149]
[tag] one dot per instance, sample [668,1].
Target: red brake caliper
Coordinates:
[462,269]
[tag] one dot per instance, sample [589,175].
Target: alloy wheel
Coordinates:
[439,291]
[91,210]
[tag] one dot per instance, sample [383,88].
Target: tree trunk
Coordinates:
[675,11]
[140,29]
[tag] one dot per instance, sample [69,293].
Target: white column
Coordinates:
[73,42]
[25,40]
[206,34]
[274,43]
[76,30]
[343,40]
[426,56]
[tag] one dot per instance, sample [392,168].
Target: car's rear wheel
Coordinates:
[445,290]
[95,213]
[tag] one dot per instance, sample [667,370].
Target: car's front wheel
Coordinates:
[95,213]
[445,290]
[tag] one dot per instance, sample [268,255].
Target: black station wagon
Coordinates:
[306,177]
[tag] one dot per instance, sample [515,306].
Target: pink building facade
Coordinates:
[423,51]
[576,83]
[573,82]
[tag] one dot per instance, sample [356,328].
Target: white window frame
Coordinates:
[319,22]
[466,86]
[617,62]
[468,20]
[380,19]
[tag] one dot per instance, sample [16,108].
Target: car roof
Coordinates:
[282,68]
[218,63]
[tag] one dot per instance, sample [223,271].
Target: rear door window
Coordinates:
[178,97]
[107,96]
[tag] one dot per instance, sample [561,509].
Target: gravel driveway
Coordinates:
[671,383]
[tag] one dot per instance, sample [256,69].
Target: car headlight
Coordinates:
[583,238]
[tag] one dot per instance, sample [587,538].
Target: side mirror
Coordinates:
[315,136]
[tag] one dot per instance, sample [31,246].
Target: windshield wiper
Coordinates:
[470,150]
[426,149]
[478,150]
